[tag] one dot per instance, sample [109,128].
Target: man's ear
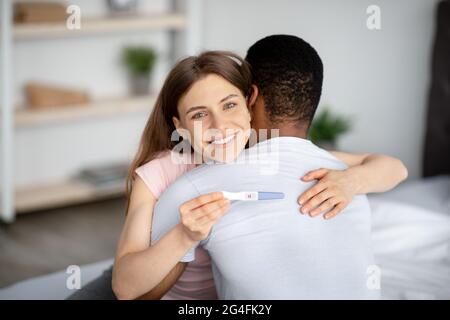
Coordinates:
[252,98]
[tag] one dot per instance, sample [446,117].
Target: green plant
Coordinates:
[326,127]
[139,60]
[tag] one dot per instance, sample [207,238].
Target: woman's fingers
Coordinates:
[335,211]
[329,195]
[200,228]
[199,214]
[213,216]
[311,192]
[325,206]
[316,200]
[208,208]
[315,174]
[200,201]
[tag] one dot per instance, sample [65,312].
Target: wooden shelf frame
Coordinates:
[26,117]
[100,26]
[62,193]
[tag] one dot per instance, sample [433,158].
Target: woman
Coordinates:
[213,89]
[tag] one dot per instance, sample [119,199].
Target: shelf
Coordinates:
[63,193]
[25,117]
[95,26]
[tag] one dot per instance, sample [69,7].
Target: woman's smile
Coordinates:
[225,141]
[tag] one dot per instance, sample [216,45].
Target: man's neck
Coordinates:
[292,131]
[285,130]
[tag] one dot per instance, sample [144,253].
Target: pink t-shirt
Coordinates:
[197,281]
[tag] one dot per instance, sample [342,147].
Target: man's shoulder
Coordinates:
[166,213]
[179,189]
[275,155]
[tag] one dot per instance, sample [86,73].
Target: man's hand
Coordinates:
[334,191]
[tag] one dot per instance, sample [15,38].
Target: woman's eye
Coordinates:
[230,105]
[199,115]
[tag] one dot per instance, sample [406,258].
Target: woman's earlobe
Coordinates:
[176,122]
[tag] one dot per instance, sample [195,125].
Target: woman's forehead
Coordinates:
[209,90]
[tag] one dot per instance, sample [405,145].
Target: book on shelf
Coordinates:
[101,175]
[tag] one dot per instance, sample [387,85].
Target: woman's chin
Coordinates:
[223,160]
[223,155]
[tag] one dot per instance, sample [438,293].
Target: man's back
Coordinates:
[267,249]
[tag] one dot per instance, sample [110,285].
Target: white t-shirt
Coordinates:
[267,249]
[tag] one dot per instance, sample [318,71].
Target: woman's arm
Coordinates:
[366,173]
[141,269]
[164,286]
[375,172]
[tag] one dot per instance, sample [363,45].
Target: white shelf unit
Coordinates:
[184,26]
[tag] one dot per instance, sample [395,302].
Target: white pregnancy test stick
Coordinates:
[253,195]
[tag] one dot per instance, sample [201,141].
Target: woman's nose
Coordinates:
[219,123]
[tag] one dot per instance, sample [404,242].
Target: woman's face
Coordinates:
[215,114]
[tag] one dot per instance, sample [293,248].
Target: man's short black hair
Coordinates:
[289,74]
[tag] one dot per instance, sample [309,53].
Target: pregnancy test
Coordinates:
[253,195]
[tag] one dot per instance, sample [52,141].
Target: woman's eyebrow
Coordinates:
[195,108]
[203,107]
[228,97]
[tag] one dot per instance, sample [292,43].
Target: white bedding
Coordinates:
[411,240]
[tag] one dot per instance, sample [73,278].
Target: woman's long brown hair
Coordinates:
[158,130]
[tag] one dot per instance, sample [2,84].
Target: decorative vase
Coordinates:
[119,7]
[140,84]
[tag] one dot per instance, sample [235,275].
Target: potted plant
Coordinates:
[139,62]
[326,127]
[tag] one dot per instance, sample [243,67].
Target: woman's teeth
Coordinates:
[224,140]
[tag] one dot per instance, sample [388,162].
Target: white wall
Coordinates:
[380,77]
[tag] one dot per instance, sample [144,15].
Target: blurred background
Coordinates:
[79,79]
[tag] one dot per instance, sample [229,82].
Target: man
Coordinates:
[266,249]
